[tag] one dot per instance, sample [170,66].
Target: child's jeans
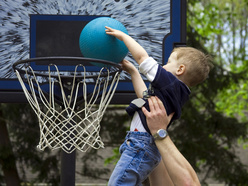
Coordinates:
[139,156]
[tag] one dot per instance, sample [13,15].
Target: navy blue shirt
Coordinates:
[170,90]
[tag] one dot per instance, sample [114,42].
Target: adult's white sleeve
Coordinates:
[149,68]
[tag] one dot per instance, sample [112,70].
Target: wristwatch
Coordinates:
[161,134]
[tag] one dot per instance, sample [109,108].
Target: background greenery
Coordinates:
[213,123]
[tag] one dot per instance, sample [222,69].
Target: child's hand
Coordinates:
[128,66]
[113,32]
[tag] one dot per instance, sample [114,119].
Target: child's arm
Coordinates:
[138,83]
[137,51]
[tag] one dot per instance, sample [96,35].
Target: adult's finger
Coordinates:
[170,116]
[145,111]
[154,103]
[151,105]
[159,103]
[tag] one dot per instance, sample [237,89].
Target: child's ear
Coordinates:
[180,70]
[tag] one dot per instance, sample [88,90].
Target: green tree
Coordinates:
[9,169]
[113,132]
[23,131]
[212,121]
[223,26]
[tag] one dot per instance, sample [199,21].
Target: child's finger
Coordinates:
[109,29]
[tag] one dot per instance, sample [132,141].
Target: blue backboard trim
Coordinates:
[176,30]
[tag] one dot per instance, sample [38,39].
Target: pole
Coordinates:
[68,165]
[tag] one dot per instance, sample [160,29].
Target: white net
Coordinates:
[66,125]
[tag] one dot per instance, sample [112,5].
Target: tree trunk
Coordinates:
[7,158]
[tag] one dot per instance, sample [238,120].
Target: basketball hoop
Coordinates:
[56,98]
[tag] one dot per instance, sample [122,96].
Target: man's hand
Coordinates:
[157,118]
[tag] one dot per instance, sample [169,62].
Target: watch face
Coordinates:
[162,133]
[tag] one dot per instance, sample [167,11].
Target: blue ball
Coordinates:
[95,43]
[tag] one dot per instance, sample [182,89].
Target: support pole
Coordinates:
[68,165]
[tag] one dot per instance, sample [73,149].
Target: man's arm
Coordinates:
[178,168]
[160,177]
[137,51]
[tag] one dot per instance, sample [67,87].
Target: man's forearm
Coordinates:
[159,176]
[178,168]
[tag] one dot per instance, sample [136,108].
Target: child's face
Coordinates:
[172,64]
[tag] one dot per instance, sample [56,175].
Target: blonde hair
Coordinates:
[196,62]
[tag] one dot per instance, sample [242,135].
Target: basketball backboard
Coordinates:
[41,29]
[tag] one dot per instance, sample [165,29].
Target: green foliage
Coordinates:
[208,138]
[216,118]
[113,131]
[89,160]
[114,125]
[114,158]
[213,123]
[235,93]
[205,19]
[24,132]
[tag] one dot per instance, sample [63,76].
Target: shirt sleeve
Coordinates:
[149,68]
